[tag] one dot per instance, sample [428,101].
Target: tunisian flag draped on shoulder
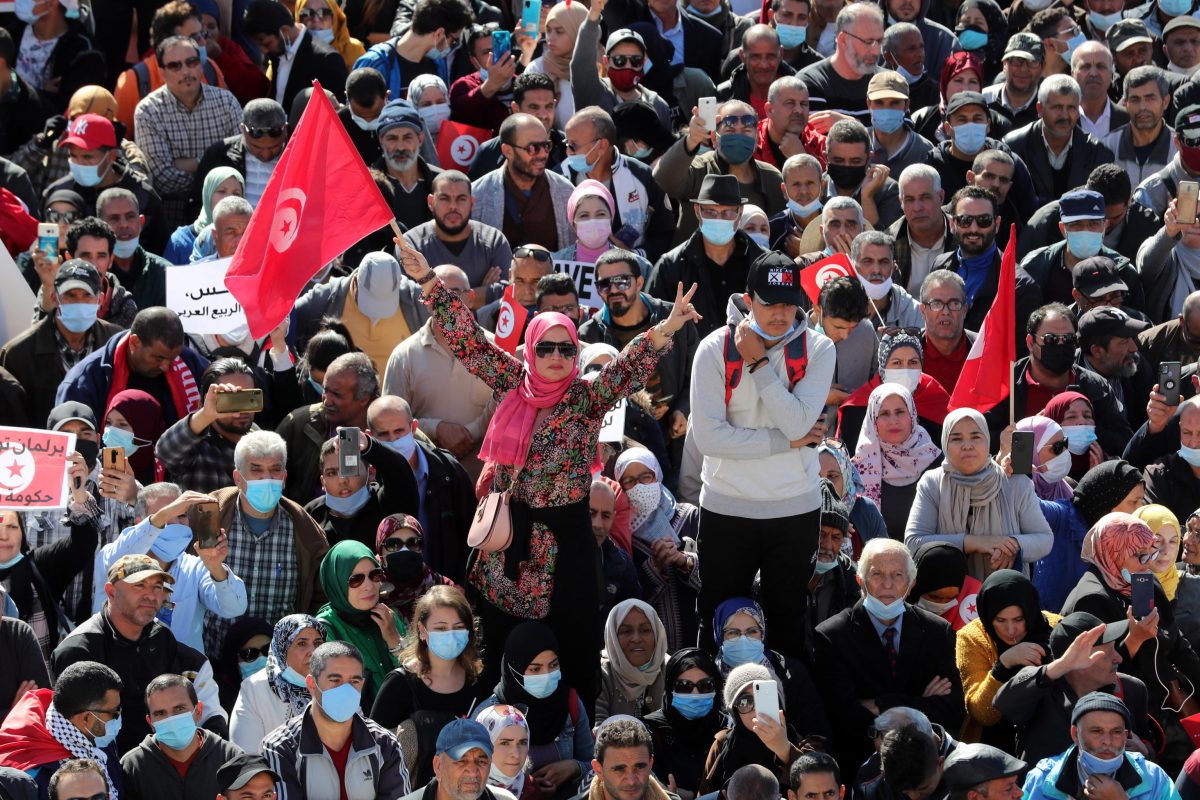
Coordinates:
[319,201]
[983,383]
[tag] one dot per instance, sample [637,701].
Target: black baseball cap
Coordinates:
[774,278]
[963,99]
[1109,321]
[75,273]
[1097,276]
[1072,626]
[237,772]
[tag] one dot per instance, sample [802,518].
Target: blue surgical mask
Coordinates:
[804,209]
[754,326]
[119,437]
[78,317]
[263,495]
[318,388]
[881,610]
[85,174]
[112,727]
[436,54]
[1173,8]
[483,74]
[1190,454]
[24,11]
[176,732]
[543,685]
[969,137]
[172,542]
[448,645]
[791,35]
[821,567]
[742,650]
[693,706]
[364,124]
[1094,765]
[1126,576]
[717,231]
[908,76]
[125,248]
[294,678]
[405,445]
[971,39]
[1079,438]
[340,702]
[1084,244]
[325,36]
[887,120]
[1102,22]
[642,153]
[760,239]
[257,665]
[1072,44]
[12,562]
[579,161]
[351,505]
[736,148]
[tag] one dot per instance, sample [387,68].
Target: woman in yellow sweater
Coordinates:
[1011,632]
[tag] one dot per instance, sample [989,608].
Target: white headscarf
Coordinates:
[634,681]
[897,464]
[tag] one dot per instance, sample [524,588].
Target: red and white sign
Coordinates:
[458,144]
[33,468]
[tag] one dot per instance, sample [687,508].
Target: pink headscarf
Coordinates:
[590,188]
[511,429]
[1044,429]
[897,464]
[1113,539]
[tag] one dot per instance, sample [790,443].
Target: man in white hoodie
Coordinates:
[758,389]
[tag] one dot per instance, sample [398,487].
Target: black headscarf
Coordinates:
[242,630]
[938,565]
[25,579]
[997,34]
[1007,587]
[694,734]
[544,715]
[1103,487]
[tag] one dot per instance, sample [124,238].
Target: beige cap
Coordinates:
[135,568]
[887,84]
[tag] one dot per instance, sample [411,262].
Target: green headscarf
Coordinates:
[347,623]
[212,180]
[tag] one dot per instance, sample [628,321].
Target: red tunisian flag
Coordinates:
[813,277]
[319,201]
[458,144]
[983,383]
[510,320]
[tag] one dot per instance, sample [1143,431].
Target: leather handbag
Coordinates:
[491,529]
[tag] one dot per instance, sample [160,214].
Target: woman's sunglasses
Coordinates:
[248,654]
[396,544]
[703,686]
[359,578]
[546,349]
[744,703]
[1058,447]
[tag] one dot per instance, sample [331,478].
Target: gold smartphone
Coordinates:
[240,402]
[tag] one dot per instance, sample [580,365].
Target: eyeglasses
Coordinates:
[703,686]
[645,477]
[318,13]
[1146,558]
[262,133]
[191,62]
[581,148]
[732,121]
[1057,338]
[1069,33]
[729,214]
[618,282]
[980,220]
[938,306]
[248,654]
[632,62]
[894,331]
[359,578]
[61,216]
[546,349]
[744,703]
[114,713]
[395,544]
[753,632]
[528,252]
[533,148]
[867,42]
[566,308]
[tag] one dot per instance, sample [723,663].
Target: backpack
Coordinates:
[795,357]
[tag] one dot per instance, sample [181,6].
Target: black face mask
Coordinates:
[1057,358]
[89,450]
[404,566]
[846,177]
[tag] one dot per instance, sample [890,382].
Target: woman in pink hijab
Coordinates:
[542,441]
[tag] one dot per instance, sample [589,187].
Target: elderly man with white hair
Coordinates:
[884,652]
[841,220]
[274,545]
[1092,69]
[923,233]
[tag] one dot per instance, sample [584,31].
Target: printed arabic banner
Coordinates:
[33,468]
[197,293]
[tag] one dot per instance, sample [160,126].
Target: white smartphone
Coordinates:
[708,112]
[766,699]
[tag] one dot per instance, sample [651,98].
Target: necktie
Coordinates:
[889,645]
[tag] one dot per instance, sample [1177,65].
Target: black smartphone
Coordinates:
[1022,452]
[1169,375]
[348,452]
[1142,594]
[206,524]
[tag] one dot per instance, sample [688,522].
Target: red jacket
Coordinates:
[813,141]
[470,106]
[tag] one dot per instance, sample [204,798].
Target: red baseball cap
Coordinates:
[91,132]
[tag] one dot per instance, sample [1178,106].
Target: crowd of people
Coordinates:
[474,523]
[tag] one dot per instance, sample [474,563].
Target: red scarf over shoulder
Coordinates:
[185,392]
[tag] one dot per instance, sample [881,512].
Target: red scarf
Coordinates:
[184,391]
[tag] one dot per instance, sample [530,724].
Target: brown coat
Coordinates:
[311,547]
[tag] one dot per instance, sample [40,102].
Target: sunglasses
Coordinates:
[618,282]
[191,62]
[318,13]
[529,252]
[546,349]
[1058,447]
[1146,558]
[248,654]
[61,216]
[632,62]
[533,148]
[262,133]
[703,686]
[744,703]
[396,544]
[1058,338]
[733,120]
[375,576]
[981,220]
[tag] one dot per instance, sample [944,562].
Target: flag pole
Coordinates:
[396,228]
[1012,401]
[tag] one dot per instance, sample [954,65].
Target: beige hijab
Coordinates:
[571,17]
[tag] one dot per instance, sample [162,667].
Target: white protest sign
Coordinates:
[197,293]
[33,468]
[584,275]
[614,423]
[16,301]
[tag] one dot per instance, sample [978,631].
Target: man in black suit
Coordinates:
[884,652]
[296,57]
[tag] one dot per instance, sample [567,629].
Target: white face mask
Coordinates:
[876,291]
[936,608]
[1058,467]
[908,378]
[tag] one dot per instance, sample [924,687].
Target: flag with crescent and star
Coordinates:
[319,200]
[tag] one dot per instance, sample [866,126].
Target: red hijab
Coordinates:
[144,415]
[961,61]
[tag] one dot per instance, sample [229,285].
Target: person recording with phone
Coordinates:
[163,531]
